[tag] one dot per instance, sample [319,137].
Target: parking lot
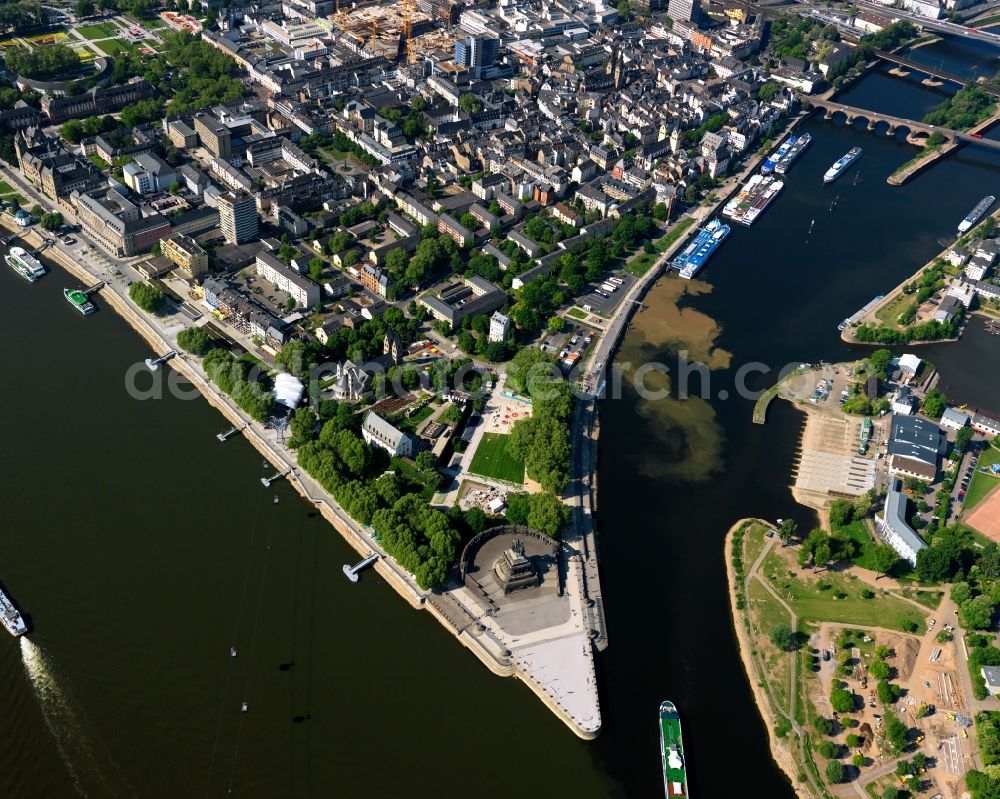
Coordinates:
[603,302]
[570,346]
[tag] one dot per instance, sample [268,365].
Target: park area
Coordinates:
[493,460]
[853,661]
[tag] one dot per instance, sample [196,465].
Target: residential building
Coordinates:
[991,676]
[986,423]
[499,326]
[457,231]
[375,280]
[186,253]
[148,173]
[954,419]
[238,218]
[894,528]
[903,401]
[283,277]
[377,432]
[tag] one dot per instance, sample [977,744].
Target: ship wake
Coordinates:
[64,720]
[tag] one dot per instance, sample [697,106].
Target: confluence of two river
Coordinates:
[142,549]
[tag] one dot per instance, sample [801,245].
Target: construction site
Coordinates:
[397,31]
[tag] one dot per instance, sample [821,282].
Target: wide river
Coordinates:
[143,549]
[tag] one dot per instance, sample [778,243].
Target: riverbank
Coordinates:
[443,606]
[871,318]
[754,670]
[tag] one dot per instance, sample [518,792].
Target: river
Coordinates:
[143,549]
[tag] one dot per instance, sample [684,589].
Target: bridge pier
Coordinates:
[828,115]
[891,131]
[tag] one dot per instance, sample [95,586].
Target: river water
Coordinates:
[142,549]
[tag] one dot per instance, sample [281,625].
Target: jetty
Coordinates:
[266,481]
[351,572]
[232,431]
[154,364]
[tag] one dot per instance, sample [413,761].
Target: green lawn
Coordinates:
[112,46]
[767,614]
[754,539]
[823,595]
[981,484]
[857,532]
[102,30]
[576,313]
[99,162]
[890,312]
[5,188]
[493,460]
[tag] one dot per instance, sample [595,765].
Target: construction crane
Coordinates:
[411,57]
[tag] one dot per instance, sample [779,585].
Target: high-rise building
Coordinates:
[477,52]
[238,218]
[684,10]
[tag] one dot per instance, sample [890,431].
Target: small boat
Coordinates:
[275,499]
[812,224]
[232,651]
[244,707]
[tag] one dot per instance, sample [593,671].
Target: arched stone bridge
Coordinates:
[916,130]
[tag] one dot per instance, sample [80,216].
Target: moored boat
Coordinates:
[771,163]
[976,213]
[697,253]
[797,149]
[25,264]
[79,300]
[841,164]
[672,752]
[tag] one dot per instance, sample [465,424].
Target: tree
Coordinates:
[934,403]
[476,520]
[835,771]
[822,555]
[895,733]
[841,511]
[977,613]
[887,692]
[961,593]
[783,637]
[52,221]
[42,61]
[890,792]
[787,530]
[879,669]
[194,340]
[828,749]
[147,297]
[823,725]
[469,103]
[884,558]
[934,564]
[767,91]
[842,700]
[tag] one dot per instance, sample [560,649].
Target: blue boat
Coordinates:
[694,256]
[777,155]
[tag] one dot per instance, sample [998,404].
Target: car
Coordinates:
[600,293]
[68,240]
[976,135]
